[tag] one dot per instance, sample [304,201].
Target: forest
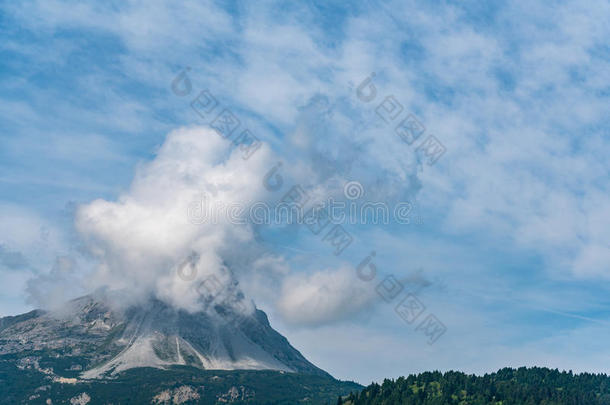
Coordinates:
[508,386]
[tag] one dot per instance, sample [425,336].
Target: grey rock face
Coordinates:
[152,334]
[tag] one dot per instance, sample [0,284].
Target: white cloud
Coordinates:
[324,297]
[142,237]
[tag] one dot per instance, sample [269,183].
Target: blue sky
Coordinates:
[514,244]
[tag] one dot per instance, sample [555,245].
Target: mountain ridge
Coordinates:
[108,340]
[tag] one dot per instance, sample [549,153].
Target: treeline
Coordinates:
[523,386]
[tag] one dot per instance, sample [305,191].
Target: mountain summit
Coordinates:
[103,340]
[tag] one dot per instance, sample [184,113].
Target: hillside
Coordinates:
[523,386]
[175,385]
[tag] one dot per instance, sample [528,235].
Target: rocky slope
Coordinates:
[98,340]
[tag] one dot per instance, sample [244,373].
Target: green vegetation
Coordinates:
[141,385]
[523,386]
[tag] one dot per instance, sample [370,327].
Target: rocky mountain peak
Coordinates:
[105,338]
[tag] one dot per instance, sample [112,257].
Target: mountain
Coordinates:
[91,342]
